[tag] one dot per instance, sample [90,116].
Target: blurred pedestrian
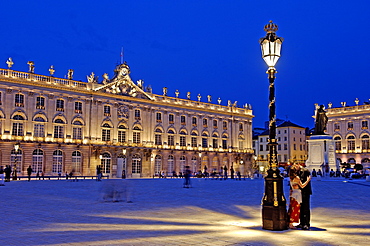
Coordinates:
[225,172]
[232,172]
[8,171]
[2,176]
[38,175]
[29,172]
[187,176]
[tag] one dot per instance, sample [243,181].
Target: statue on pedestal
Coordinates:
[321,121]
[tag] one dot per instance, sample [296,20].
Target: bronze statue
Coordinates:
[321,121]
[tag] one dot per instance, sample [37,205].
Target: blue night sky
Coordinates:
[207,47]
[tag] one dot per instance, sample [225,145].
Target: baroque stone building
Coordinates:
[62,125]
[349,126]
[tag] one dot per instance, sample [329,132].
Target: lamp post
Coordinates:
[274,214]
[16,147]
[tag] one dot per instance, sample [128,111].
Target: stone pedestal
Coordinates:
[321,153]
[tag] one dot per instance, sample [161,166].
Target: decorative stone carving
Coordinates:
[31,66]
[51,70]
[9,62]
[92,78]
[70,74]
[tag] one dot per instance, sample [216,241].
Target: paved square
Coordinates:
[212,212]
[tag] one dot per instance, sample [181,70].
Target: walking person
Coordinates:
[187,176]
[305,217]
[2,176]
[232,172]
[225,172]
[29,172]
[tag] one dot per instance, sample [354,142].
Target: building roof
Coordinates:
[289,124]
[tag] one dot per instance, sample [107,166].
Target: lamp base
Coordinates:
[274,218]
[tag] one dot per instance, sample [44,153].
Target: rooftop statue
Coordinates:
[321,121]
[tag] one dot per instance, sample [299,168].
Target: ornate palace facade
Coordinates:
[62,125]
[349,126]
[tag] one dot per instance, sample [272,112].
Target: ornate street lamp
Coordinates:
[274,214]
[16,147]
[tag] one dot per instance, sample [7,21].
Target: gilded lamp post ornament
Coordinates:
[274,214]
[177,93]
[9,62]
[31,66]
[209,98]
[199,97]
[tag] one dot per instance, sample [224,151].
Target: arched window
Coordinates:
[171,137]
[194,141]
[77,130]
[136,164]
[338,143]
[365,142]
[76,161]
[105,162]
[224,141]
[105,135]
[182,163]
[215,164]
[57,161]
[158,136]
[157,164]
[205,140]
[17,129]
[194,163]
[59,128]
[170,164]
[37,160]
[351,143]
[122,133]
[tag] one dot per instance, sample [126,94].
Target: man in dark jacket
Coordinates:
[29,172]
[305,216]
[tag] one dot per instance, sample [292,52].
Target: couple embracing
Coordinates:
[300,192]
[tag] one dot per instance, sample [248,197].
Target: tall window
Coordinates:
[182,163]
[157,164]
[40,102]
[365,142]
[215,124]
[60,105]
[39,128]
[171,138]
[19,100]
[59,129]
[194,121]
[17,129]
[224,142]
[204,142]
[1,98]
[224,125]
[107,110]
[76,161]
[105,162]
[136,164]
[77,130]
[122,134]
[57,161]
[183,120]
[205,122]
[136,136]
[215,143]
[338,143]
[350,125]
[170,164]
[364,124]
[240,126]
[171,118]
[158,137]
[182,141]
[194,142]
[285,146]
[37,160]
[351,143]
[137,114]
[159,117]
[78,107]
[106,132]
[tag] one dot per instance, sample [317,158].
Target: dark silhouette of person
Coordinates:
[29,172]
[319,173]
[305,217]
[123,174]
[38,175]
[239,175]
[232,172]
[321,121]
[8,172]
[314,173]
[2,176]
[187,176]
[225,172]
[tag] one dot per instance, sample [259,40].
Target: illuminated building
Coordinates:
[63,125]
